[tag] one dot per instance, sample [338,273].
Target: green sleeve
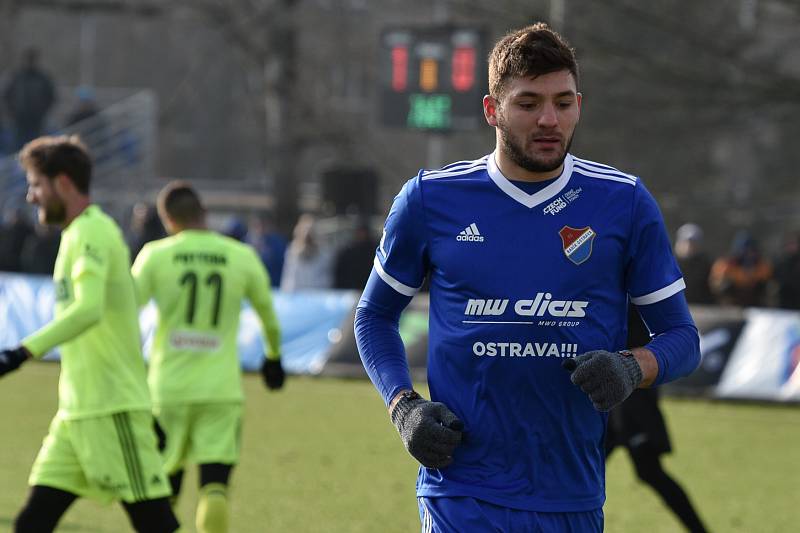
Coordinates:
[85,311]
[141,277]
[260,295]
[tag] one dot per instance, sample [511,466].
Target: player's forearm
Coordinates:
[270,326]
[676,344]
[649,365]
[84,312]
[677,351]
[272,340]
[396,399]
[382,353]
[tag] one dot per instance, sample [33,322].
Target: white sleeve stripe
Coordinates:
[620,179]
[660,294]
[452,166]
[393,283]
[436,174]
[599,165]
[605,171]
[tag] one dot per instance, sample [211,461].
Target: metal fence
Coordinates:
[122,137]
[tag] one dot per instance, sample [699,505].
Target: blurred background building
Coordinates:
[277,104]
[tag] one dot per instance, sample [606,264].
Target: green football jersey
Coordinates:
[96,322]
[198,280]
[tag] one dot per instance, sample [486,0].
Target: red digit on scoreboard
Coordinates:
[399,68]
[463,68]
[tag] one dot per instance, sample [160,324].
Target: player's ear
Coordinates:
[62,184]
[490,106]
[170,225]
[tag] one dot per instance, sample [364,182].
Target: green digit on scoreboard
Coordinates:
[429,111]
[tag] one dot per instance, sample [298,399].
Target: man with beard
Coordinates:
[532,255]
[101,442]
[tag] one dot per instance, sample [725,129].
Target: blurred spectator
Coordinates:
[354,260]
[6,137]
[694,263]
[145,226]
[29,96]
[14,231]
[270,245]
[85,107]
[741,278]
[86,120]
[308,264]
[236,229]
[40,250]
[787,274]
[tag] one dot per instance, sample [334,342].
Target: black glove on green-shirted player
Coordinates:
[273,374]
[12,359]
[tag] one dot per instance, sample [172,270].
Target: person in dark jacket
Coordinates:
[14,231]
[694,263]
[787,274]
[353,262]
[41,250]
[29,96]
[638,425]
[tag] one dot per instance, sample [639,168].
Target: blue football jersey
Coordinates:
[518,283]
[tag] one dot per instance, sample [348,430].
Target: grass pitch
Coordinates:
[322,456]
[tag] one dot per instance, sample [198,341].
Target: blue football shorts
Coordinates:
[451,515]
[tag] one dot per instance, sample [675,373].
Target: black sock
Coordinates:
[43,510]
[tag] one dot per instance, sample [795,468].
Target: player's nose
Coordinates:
[548,118]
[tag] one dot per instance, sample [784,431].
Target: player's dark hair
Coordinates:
[530,51]
[179,202]
[62,154]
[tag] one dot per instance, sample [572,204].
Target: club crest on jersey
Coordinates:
[577,243]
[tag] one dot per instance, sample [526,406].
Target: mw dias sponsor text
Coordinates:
[543,304]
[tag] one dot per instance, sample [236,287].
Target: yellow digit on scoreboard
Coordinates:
[428,74]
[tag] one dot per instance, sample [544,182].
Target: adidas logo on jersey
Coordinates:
[470,234]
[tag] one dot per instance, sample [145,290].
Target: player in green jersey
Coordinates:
[101,442]
[198,280]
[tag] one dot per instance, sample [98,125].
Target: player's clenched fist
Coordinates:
[429,430]
[607,377]
[273,374]
[12,359]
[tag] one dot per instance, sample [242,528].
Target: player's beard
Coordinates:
[53,212]
[516,152]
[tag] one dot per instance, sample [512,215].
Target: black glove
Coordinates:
[429,430]
[12,359]
[273,374]
[161,437]
[607,377]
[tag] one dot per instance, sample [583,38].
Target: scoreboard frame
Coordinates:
[433,78]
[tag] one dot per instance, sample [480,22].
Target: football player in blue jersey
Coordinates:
[532,255]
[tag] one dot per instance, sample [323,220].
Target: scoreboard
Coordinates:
[433,78]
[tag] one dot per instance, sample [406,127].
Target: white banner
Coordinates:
[764,362]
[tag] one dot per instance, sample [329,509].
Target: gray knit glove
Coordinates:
[607,377]
[429,430]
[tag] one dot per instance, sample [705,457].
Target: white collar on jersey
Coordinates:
[529,200]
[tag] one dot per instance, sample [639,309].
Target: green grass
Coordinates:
[321,455]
